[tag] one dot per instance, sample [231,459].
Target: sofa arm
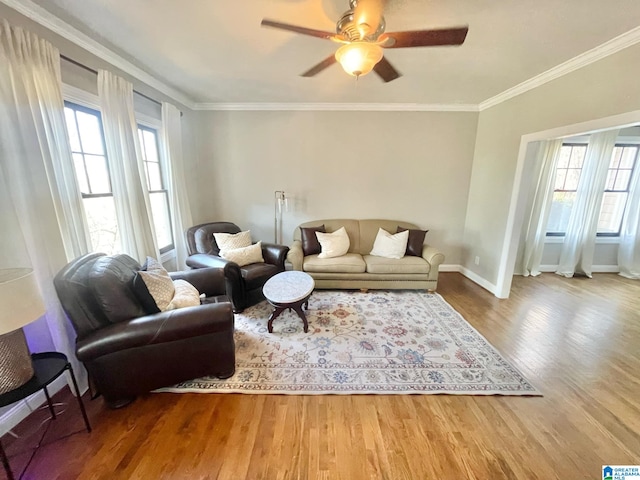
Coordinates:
[275,254]
[209,281]
[157,328]
[204,260]
[296,255]
[432,255]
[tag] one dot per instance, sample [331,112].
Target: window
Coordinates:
[158,194]
[616,190]
[92,171]
[623,160]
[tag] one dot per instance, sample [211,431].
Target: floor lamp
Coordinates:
[20,304]
[281,205]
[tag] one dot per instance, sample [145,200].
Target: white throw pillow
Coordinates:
[333,244]
[390,246]
[186,295]
[245,255]
[232,241]
[158,282]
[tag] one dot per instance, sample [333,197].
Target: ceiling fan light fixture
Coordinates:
[359,58]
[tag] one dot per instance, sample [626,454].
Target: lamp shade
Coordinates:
[359,58]
[20,300]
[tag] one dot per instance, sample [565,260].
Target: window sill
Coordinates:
[166,256]
[599,240]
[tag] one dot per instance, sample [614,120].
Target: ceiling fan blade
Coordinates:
[425,38]
[294,28]
[327,62]
[386,71]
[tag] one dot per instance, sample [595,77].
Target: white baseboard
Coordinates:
[23,408]
[474,277]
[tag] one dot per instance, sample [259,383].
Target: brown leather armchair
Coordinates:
[127,351]
[243,284]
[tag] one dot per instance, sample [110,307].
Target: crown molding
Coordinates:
[610,47]
[48,20]
[335,107]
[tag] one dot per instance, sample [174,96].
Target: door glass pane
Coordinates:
[161,221]
[103,227]
[98,174]
[90,133]
[622,182]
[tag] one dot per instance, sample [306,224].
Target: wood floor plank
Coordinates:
[577,340]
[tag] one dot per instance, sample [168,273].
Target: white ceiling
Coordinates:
[216,52]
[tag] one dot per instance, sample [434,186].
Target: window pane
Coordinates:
[161,221]
[81,176]
[628,157]
[103,227]
[150,145]
[565,154]
[98,174]
[573,177]
[142,148]
[72,129]
[560,211]
[155,180]
[611,179]
[622,182]
[90,133]
[615,157]
[561,176]
[577,157]
[613,204]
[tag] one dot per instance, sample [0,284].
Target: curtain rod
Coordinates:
[89,69]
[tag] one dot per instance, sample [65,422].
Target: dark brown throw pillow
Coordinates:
[416,240]
[310,244]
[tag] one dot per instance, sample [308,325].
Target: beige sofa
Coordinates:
[359,270]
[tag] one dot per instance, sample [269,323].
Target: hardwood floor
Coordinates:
[577,340]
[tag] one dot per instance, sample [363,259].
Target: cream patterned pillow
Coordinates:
[158,282]
[245,255]
[186,295]
[231,241]
[333,244]
[390,246]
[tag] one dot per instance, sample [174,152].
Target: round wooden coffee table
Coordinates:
[288,290]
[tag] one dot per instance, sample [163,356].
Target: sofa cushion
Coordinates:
[244,255]
[407,264]
[349,263]
[232,241]
[310,244]
[416,241]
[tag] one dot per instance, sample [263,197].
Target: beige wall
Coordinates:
[607,87]
[412,166]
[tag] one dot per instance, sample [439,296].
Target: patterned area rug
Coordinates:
[382,342]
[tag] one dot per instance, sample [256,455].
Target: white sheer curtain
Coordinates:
[130,193]
[629,249]
[180,211]
[536,227]
[580,237]
[37,171]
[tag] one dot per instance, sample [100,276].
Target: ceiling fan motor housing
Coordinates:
[348,27]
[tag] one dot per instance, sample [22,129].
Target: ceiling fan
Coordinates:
[361,31]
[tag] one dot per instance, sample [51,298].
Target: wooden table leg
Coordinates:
[298,308]
[277,311]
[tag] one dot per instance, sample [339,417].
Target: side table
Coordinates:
[47,367]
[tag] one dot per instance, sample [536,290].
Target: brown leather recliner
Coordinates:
[127,351]
[243,284]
